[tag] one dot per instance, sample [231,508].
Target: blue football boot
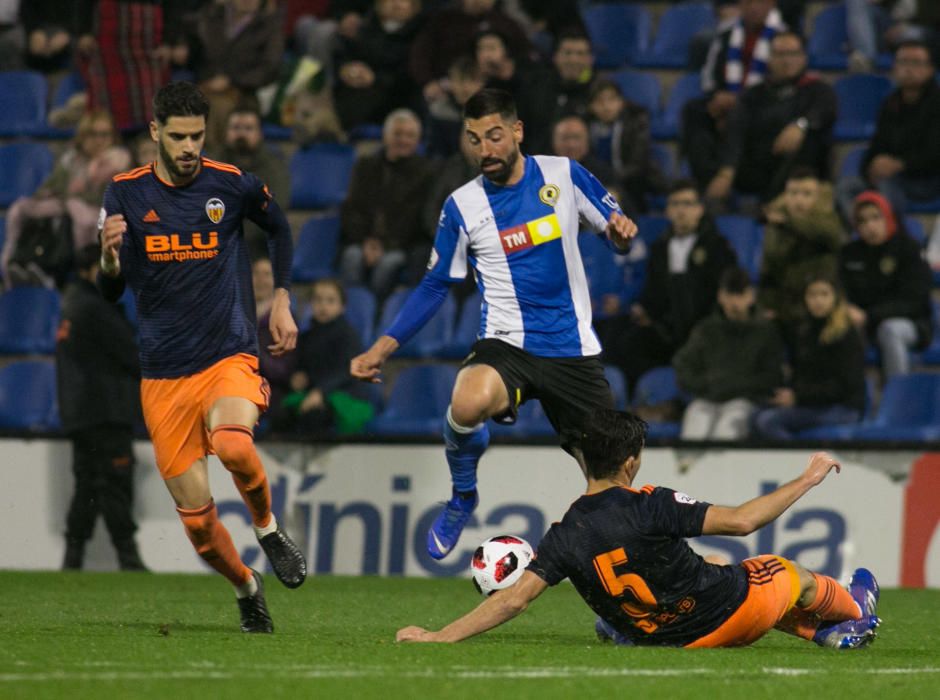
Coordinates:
[444,533]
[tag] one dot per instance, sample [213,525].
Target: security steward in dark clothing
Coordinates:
[98,382]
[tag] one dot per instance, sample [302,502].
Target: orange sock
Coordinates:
[235,446]
[832,601]
[213,543]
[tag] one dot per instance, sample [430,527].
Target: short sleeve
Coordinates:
[675,513]
[595,203]
[548,563]
[448,261]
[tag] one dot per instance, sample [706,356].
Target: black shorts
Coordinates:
[568,387]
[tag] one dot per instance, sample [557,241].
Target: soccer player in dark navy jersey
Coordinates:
[624,551]
[172,232]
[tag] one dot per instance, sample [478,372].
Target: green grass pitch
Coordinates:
[114,636]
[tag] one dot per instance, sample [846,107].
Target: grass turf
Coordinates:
[152,636]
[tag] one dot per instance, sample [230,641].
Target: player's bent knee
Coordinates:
[233,444]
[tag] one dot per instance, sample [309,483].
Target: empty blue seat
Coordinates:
[640,88]
[70,84]
[433,337]
[28,396]
[859,98]
[931,206]
[909,410]
[22,103]
[828,45]
[417,402]
[747,239]
[320,175]
[686,88]
[29,317]
[677,25]
[316,247]
[360,312]
[25,166]
[466,329]
[658,386]
[619,33]
[931,356]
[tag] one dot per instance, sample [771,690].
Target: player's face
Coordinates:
[326,304]
[494,144]
[800,196]
[820,299]
[179,143]
[871,225]
[684,211]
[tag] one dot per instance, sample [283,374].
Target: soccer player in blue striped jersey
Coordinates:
[517,224]
[172,231]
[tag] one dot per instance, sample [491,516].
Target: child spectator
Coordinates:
[325,397]
[828,362]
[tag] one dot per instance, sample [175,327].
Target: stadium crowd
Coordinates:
[765,277]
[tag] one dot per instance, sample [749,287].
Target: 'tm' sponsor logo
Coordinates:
[530,234]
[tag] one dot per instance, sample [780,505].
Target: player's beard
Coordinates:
[171,165]
[501,176]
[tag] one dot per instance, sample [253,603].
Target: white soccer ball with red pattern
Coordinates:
[499,562]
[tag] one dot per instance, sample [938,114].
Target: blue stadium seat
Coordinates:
[276,132]
[619,33]
[29,317]
[931,356]
[686,88]
[320,175]
[316,249]
[657,386]
[662,156]
[859,98]
[640,88]
[845,431]
[618,386]
[360,312]
[747,239]
[931,206]
[25,166]
[909,410]
[436,334]
[417,402]
[466,328]
[28,396]
[3,231]
[828,45]
[915,230]
[70,84]
[852,162]
[531,421]
[651,227]
[677,25]
[22,103]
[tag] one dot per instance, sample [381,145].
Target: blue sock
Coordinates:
[464,447]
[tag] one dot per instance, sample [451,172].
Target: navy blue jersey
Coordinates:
[625,554]
[185,259]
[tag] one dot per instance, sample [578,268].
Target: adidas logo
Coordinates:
[151,217]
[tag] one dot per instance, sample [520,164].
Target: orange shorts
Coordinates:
[176,410]
[773,589]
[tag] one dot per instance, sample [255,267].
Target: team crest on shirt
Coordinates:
[215,210]
[549,194]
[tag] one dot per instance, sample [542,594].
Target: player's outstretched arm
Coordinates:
[367,367]
[753,515]
[492,612]
[621,230]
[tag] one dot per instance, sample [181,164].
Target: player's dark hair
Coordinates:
[609,439]
[491,101]
[179,99]
[734,280]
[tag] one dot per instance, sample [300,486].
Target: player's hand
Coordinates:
[820,464]
[367,367]
[414,634]
[282,325]
[621,230]
[112,235]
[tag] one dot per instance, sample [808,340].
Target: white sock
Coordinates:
[267,529]
[247,589]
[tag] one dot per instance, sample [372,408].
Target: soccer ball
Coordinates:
[499,562]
